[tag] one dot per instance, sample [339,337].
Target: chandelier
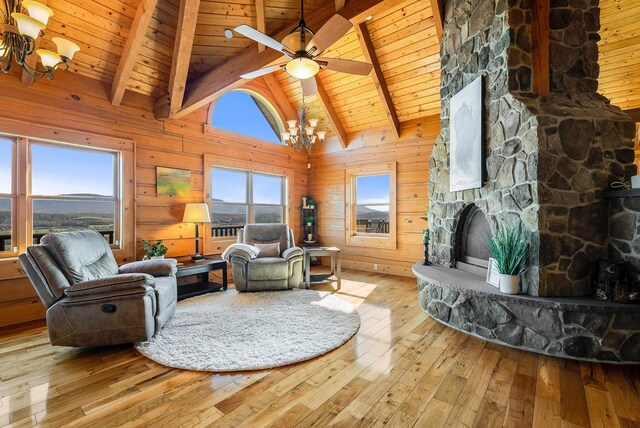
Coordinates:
[305,135]
[18,34]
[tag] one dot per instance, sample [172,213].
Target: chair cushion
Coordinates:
[267,234]
[82,255]
[268,250]
[267,268]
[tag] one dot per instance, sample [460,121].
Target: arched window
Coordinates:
[248,113]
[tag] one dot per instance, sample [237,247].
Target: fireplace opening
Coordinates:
[470,251]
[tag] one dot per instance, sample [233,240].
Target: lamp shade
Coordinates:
[65,47]
[38,11]
[28,26]
[48,58]
[196,213]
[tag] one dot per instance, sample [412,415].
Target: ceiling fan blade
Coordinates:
[309,87]
[262,71]
[346,66]
[262,38]
[332,31]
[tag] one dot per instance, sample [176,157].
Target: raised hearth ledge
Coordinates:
[577,328]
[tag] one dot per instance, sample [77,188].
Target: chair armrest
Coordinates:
[292,252]
[239,255]
[131,283]
[163,267]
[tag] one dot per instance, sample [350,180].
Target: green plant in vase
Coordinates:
[309,220]
[509,247]
[155,250]
[311,202]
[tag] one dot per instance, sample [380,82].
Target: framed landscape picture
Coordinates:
[173,182]
[466,132]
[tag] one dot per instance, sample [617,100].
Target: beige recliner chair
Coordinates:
[267,273]
[90,300]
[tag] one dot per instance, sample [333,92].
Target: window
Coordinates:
[240,197]
[7,196]
[249,114]
[73,189]
[371,205]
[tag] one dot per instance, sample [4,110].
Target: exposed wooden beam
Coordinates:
[182,53]
[261,21]
[339,5]
[437,7]
[378,78]
[131,49]
[32,60]
[279,96]
[634,113]
[333,117]
[225,77]
[540,47]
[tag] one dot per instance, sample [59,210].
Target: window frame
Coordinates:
[218,244]
[13,198]
[117,189]
[374,240]
[257,92]
[23,133]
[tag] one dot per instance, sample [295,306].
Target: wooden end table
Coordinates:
[336,263]
[193,277]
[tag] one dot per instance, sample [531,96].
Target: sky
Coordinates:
[5,166]
[237,112]
[230,186]
[373,189]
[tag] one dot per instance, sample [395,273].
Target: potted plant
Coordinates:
[309,220]
[155,250]
[311,202]
[509,248]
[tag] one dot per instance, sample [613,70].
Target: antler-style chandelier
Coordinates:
[305,135]
[18,33]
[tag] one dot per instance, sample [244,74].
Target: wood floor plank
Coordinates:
[402,369]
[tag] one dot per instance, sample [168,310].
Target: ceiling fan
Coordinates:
[303,48]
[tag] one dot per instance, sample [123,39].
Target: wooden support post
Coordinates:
[437,7]
[261,21]
[540,47]
[333,117]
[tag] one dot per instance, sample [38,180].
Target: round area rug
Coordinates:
[233,331]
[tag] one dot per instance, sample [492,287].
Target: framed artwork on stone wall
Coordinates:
[467,138]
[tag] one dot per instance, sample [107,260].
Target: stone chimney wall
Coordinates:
[548,159]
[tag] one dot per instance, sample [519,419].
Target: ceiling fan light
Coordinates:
[38,11]
[292,41]
[48,58]
[27,26]
[66,48]
[302,68]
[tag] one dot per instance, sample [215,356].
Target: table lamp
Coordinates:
[196,213]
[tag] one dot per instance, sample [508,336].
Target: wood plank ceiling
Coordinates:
[403,37]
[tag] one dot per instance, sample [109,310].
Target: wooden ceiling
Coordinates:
[139,36]
[620,52]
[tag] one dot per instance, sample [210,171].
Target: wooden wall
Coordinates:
[78,103]
[326,185]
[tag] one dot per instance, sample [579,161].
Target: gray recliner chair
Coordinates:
[90,300]
[267,273]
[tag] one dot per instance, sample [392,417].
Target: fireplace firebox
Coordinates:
[470,252]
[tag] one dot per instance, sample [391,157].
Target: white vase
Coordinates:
[157,257]
[309,224]
[509,284]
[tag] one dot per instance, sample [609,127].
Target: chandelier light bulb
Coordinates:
[3,49]
[38,11]
[302,68]
[48,58]
[286,136]
[66,48]
[321,135]
[292,123]
[310,131]
[293,131]
[27,26]
[313,122]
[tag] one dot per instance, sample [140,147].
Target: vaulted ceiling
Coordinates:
[402,37]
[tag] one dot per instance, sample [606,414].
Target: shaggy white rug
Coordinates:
[232,331]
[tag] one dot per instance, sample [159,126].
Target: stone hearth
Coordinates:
[580,328]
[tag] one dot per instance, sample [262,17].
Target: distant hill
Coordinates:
[369,214]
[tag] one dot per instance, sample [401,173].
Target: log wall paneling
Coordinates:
[73,105]
[327,180]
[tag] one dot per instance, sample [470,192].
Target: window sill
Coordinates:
[374,241]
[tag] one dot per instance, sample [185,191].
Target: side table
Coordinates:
[193,277]
[336,263]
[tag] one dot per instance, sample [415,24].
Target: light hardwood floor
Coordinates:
[401,369]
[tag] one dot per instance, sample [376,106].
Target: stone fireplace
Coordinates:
[548,161]
[547,158]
